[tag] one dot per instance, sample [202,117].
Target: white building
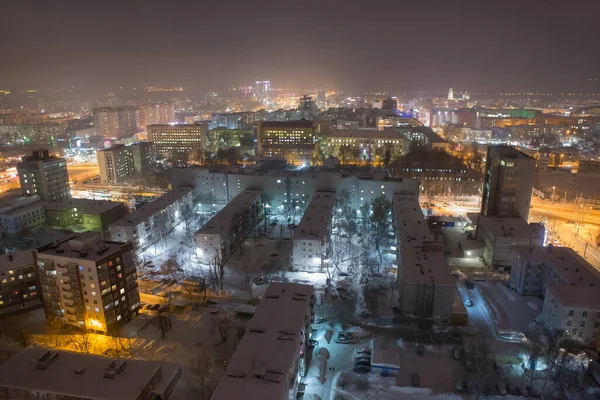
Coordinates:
[311,234]
[570,286]
[151,222]
[501,235]
[223,233]
[284,186]
[269,361]
[425,286]
[89,282]
[18,214]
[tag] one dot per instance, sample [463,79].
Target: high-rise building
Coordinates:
[144,157]
[507,183]
[88,282]
[129,120]
[18,283]
[177,141]
[116,164]
[44,175]
[106,120]
[307,107]
[156,114]
[261,90]
[294,140]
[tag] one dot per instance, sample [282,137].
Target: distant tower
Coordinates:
[450,94]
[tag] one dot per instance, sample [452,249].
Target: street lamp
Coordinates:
[553,190]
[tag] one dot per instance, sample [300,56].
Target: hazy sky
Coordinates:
[487,45]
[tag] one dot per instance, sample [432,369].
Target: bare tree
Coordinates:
[202,367]
[482,374]
[223,325]
[217,268]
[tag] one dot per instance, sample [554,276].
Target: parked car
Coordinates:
[457,352]
[313,342]
[468,303]
[469,283]
[361,358]
[362,362]
[420,349]
[415,379]
[362,350]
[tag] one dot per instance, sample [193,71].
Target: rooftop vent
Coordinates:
[79,371]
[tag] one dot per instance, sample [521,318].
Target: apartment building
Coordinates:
[283,187]
[116,164]
[44,175]
[84,214]
[19,214]
[151,222]
[311,235]
[425,286]
[270,360]
[19,286]
[224,232]
[501,235]
[89,282]
[39,373]
[294,140]
[354,145]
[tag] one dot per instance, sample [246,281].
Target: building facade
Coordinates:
[294,140]
[507,183]
[44,175]
[310,237]
[153,221]
[224,232]
[144,157]
[116,164]
[20,214]
[84,214]
[178,141]
[88,282]
[19,285]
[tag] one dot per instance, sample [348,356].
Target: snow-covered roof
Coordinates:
[268,352]
[60,376]
[579,280]
[425,264]
[17,259]
[409,221]
[144,213]
[88,205]
[221,221]
[510,227]
[316,218]
[385,353]
[85,246]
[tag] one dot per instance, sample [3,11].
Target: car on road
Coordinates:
[420,349]
[415,379]
[468,303]
[469,283]
[344,337]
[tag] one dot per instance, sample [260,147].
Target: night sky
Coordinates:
[483,45]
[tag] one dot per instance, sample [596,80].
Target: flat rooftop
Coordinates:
[17,259]
[88,205]
[317,217]
[409,221]
[12,203]
[143,213]
[578,277]
[426,264]
[86,246]
[268,350]
[302,123]
[221,221]
[511,227]
[575,296]
[60,378]
[507,152]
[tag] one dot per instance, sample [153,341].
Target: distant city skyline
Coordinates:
[472,45]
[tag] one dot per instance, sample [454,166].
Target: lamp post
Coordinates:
[553,190]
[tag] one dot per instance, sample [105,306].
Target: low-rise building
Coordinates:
[270,360]
[85,214]
[19,286]
[224,232]
[89,282]
[47,374]
[116,164]
[425,286]
[501,235]
[149,223]
[311,234]
[294,140]
[20,214]
[569,285]
[354,145]
[44,175]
